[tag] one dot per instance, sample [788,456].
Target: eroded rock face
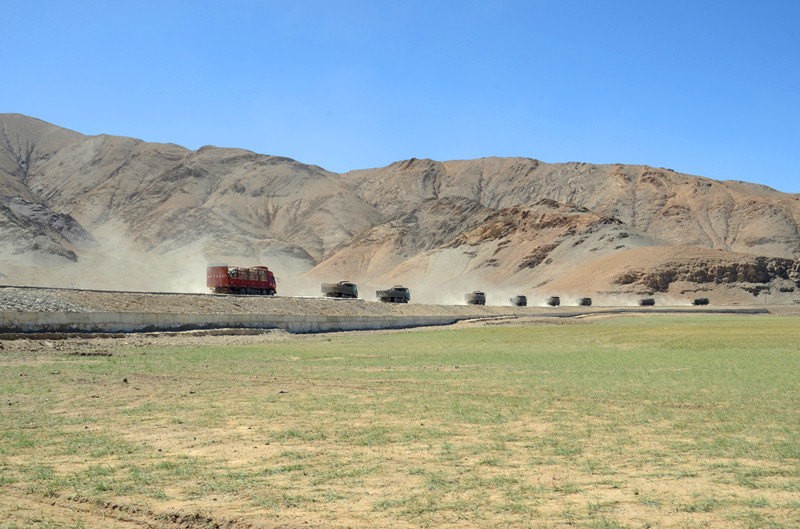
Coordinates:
[755,270]
[794,272]
[34,234]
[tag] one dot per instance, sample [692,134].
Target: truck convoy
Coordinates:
[396,294]
[259,280]
[342,289]
[224,279]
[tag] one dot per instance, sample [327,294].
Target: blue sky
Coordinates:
[704,87]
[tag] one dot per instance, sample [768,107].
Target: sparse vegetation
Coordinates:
[682,421]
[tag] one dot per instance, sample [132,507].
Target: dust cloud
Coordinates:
[117,264]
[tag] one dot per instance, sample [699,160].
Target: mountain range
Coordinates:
[116,212]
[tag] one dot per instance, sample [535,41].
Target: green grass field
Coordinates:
[661,421]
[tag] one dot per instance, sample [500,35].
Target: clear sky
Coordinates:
[710,88]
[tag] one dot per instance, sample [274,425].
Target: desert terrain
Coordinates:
[609,416]
[119,213]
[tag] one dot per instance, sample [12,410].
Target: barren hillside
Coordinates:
[115,212]
[678,208]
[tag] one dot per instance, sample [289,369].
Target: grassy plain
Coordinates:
[635,422]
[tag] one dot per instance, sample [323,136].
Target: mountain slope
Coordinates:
[678,208]
[25,143]
[148,214]
[159,197]
[522,248]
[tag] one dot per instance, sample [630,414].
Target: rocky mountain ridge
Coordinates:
[123,213]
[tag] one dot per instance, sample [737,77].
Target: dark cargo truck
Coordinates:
[396,294]
[342,289]
[475,298]
[519,301]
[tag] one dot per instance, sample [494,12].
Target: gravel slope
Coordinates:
[30,299]
[69,300]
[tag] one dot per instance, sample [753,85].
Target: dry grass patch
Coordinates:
[679,421]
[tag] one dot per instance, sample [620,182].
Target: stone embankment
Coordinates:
[26,310]
[69,310]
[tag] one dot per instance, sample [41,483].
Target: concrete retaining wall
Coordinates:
[16,322]
[28,322]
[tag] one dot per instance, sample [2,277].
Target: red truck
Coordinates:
[224,279]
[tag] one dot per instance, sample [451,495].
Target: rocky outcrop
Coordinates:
[749,271]
[26,211]
[35,234]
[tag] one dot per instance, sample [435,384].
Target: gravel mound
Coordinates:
[35,300]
